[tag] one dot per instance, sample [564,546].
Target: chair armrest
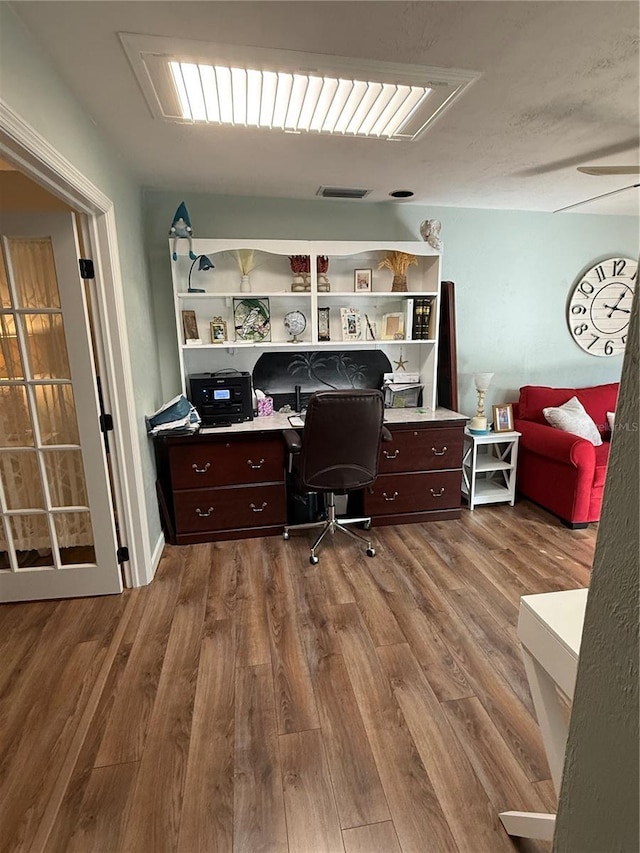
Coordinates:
[386,435]
[555,444]
[292,440]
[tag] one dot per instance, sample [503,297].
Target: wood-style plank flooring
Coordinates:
[247,702]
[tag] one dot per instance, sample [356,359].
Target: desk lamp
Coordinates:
[204,263]
[482,382]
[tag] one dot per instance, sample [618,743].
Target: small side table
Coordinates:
[489,468]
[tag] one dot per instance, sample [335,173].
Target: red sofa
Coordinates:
[561,471]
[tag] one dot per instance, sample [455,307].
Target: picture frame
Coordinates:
[252,320]
[218,328]
[324,328]
[503,417]
[351,324]
[362,280]
[190,327]
[393,327]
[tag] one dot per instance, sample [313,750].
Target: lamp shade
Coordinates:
[205,263]
[482,380]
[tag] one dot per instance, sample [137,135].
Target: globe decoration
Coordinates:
[295,323]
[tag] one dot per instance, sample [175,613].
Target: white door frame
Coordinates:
[22,146]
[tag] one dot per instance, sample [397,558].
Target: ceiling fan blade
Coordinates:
[609,170]
[596,197]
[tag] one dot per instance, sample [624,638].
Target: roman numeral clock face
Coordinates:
[599,308]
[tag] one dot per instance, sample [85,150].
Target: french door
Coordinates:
[57,529]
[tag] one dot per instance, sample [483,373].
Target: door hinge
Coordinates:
[122,554]
[106,422]
[86,268]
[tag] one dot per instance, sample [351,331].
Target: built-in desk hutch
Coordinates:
[230,482]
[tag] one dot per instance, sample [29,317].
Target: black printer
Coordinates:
[222,398]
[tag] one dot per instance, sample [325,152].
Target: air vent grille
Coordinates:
[342,192]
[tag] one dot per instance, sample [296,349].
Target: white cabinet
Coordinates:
[489,467]
[377,313]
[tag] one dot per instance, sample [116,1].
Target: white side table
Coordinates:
[489,468]
[550,629]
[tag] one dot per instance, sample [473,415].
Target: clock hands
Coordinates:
[613,308]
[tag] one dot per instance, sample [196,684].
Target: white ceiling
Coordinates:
[559,88]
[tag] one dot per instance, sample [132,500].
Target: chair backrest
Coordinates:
[341,440]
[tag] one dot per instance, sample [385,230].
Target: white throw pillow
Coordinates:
[611,417]
[571,417]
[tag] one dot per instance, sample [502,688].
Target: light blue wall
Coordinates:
[30,86]
[513,272]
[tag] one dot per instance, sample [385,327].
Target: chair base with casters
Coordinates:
[330,525]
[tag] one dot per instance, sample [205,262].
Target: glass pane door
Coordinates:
[46,524]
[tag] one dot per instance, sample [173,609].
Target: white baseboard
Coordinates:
[155,557]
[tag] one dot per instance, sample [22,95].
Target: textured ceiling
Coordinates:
[559,88]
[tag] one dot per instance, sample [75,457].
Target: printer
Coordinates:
[222,398]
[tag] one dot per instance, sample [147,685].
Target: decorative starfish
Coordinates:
[401,362]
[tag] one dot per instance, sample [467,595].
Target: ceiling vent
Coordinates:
[342,192]
[233,86]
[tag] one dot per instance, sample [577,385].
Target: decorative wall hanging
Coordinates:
[252,320]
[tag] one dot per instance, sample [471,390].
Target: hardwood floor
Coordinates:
[247,702]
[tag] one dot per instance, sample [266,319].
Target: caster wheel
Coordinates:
[314,560]
[371,552]
[285,535]
[366,525]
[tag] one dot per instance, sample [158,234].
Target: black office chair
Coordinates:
[337,453]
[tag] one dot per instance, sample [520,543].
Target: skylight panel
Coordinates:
[236,86]
[296,102]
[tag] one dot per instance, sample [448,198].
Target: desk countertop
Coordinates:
[279,421]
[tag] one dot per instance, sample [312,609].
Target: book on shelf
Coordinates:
[408,320]
[421,318]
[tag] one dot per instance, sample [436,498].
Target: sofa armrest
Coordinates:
[556,444]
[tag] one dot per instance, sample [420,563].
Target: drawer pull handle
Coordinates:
[390,497]
[204,514]
[435,494]
[439,452]
[258,509]
[201,470]
[255,465]
[388,455]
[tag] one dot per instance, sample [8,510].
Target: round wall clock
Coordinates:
[599,307]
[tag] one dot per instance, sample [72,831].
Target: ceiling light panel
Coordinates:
[229,85]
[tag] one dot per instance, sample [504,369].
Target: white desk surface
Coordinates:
[279,421]
[550,630]
[561,613]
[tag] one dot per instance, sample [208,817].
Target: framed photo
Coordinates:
[393,327]
[218,330]
[252,320]
[324,330]
[362,280]
[351,324]
[503,418]
[190,327]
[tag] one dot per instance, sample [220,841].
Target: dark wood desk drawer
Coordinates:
[406,493]
[227,463]
[220,509]
[422,450]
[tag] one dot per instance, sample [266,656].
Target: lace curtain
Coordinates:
[39,440]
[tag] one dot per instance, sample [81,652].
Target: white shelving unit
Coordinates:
[272,279]
[489,468]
